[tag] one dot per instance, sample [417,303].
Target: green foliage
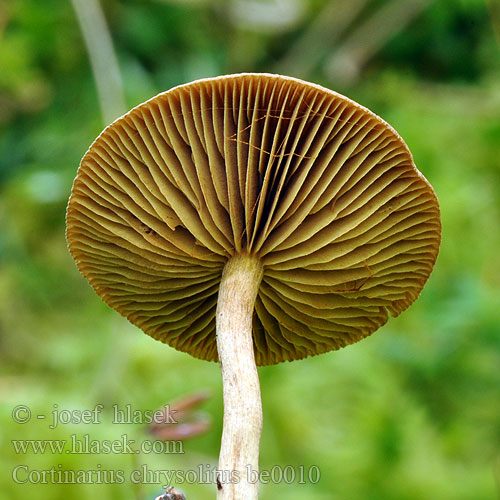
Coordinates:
[412,412]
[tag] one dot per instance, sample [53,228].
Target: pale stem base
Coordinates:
[239,453]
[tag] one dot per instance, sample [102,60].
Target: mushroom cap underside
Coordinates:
[319,188]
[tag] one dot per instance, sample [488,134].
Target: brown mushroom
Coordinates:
[252,219]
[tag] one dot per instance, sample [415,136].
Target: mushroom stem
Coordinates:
[239,453]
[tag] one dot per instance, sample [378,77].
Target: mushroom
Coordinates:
[252,219]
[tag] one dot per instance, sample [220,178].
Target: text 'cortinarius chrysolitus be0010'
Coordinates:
[252,219]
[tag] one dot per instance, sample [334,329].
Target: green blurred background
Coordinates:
[413,412]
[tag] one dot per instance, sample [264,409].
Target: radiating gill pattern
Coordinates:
[321,189]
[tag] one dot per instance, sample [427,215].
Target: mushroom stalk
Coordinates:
[239,453]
